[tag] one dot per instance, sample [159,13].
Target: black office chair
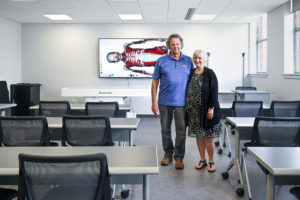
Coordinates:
[242,109]
[86,131]
[102,108]
[64,177]
[296,192]
[108,109]
[285,109]
[8,194]
[54,108]
[245,88]
[272,132]
[4,96]
[24,131]
[247,108]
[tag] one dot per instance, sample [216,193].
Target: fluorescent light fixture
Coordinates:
[203,17]
[58,17]
[24,0]
[131,17]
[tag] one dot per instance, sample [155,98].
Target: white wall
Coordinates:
[286,89]
[62,55]
[10,51]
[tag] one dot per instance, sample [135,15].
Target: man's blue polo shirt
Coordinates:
[173,75]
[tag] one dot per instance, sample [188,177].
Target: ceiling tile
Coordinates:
[125,7]
[154,11]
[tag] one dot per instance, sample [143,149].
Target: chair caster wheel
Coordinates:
[220,151]
[232,132]
[125,194]
[225,175]
[224,145]
[217,143]
[229,154]
[240,192]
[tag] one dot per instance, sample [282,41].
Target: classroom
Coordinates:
[109,51]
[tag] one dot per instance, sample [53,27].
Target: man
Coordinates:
[171,73]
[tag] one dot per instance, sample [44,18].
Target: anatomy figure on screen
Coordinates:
[138,57]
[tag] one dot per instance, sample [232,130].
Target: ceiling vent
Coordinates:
[189,13]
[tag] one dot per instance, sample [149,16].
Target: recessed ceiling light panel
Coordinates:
[131,17]
[24,0]
[58,17]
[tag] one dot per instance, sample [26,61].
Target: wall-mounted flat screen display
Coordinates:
[129,57]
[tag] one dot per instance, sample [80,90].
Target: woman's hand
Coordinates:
[210,113]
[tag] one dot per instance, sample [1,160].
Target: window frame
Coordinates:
[261,24]
[296,54]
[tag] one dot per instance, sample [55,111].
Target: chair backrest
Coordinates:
[54,108]
[285,109]
[24,131]
[245,88]
[64,177]
[247,108]
[108,109]
[275,131]
[4,97]
[86,131]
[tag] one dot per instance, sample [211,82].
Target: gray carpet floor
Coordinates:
[190,184]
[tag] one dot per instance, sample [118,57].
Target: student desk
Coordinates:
[3,106]
[283,164]
[252,95]
[243,129]
[127,165]
[80,108]
[121,128]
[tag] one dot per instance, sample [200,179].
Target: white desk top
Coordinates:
[241,122]
[115,123]
[111,91]
[252,91]
[229,105]
[7,105]
[122,107]
[278,160]
[121,160]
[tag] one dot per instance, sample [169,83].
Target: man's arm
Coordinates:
[154,87]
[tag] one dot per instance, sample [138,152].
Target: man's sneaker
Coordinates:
[166,161]
[179,164]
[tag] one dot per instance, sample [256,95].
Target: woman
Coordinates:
[203,110]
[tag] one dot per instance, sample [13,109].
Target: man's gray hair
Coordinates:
[175,35]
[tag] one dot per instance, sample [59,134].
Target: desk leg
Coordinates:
[236,161]
[130,138]
[270,187]
[242,97]
[146,187]
[237,155]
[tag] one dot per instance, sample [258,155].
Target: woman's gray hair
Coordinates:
[200,51]
[175,35]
